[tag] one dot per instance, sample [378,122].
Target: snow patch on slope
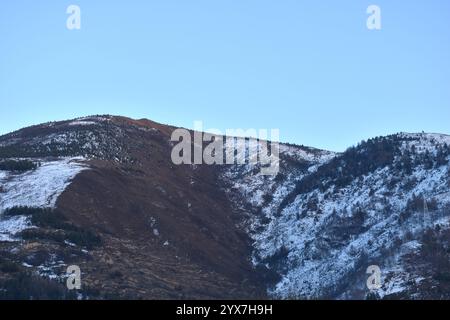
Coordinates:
[11,226]
[36,188]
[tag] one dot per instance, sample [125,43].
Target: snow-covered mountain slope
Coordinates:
[38,188]
[227,231]
[245,180]
[321,223]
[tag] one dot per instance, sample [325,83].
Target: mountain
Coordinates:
[385,202]
[102,193]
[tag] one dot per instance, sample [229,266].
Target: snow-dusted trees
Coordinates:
[17,165]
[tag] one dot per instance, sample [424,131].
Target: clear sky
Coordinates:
[310,68]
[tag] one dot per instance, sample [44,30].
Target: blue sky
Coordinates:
[310,68]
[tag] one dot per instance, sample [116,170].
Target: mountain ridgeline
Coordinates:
[102,193]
